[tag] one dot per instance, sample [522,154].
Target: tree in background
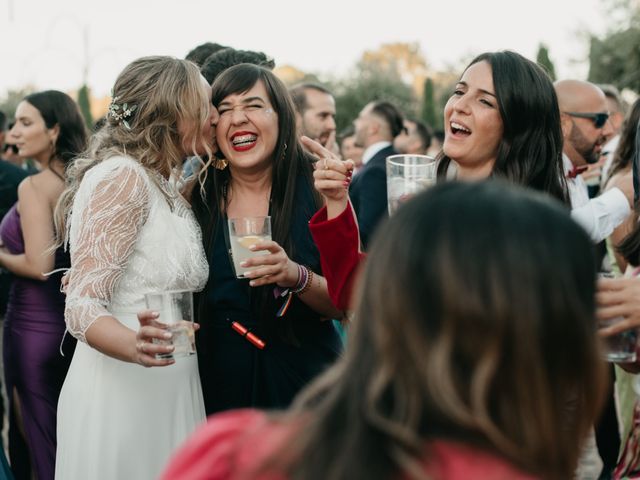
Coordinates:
[394,72]
[615,58]
[370,82]
[84,103]
[13,97]
[428,110]
[406,59]
[291,75]
[542,59]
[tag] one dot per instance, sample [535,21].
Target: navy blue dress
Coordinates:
[299,345]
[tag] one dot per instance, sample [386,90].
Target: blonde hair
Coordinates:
[166,92]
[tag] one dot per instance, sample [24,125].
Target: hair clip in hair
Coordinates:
[120,113]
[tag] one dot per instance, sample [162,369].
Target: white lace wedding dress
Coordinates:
[130,234]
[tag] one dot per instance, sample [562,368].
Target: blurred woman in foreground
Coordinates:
[453,370]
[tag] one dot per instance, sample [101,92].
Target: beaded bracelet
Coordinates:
[302,279]
[307,284]
[305,279]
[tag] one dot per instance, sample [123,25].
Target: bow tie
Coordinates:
[575,171]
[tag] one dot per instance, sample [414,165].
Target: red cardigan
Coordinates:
[233,443]
[338,241]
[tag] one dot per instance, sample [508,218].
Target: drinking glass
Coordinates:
[619,348]
[406,176]
[244,232]
[176,311]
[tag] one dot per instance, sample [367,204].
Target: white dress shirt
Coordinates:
[599,216]
[371,150]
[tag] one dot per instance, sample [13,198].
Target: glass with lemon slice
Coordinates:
[244,232]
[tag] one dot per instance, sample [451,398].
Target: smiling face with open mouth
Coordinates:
[247,130]
[473,125]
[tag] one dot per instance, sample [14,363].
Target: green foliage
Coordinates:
[542,58]
[85,106]
[615,59]
[11,100]
[428,110]
[371,82]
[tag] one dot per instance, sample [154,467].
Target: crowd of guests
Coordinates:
[472,314]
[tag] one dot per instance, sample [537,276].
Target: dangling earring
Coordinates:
[284,152]
[52,147]
[220,163]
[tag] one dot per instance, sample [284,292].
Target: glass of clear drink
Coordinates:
[406,176]
[621,347]
[176,312]
[244,232]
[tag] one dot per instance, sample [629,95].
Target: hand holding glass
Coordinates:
[244,232]
[621,347]
[176,312]
[408,175]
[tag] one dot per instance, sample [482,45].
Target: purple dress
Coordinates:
[33,332]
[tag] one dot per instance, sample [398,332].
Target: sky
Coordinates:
[43,41]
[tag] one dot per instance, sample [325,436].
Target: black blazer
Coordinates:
[368,194]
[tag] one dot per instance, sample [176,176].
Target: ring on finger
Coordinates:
[141,346]
[326,163]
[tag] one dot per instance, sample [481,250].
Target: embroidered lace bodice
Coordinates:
[128,235]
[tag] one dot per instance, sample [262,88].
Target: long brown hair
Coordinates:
[289,158]
[629,146]
[166,91]
[623,155]
[530,151]
[291,170]
[474,323]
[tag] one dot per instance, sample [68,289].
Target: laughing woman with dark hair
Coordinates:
[433,386]
[268,173]
[506,104]
[501,121]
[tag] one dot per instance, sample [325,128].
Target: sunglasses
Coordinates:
[13,148]
[599,119]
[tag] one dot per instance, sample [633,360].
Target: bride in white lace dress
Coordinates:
[130,232]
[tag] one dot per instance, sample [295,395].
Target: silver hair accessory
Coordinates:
[120,113]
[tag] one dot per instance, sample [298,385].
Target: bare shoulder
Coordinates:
[44,187]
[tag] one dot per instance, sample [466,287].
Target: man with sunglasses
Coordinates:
[585,128]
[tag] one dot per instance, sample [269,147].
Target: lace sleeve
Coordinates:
[109,218]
